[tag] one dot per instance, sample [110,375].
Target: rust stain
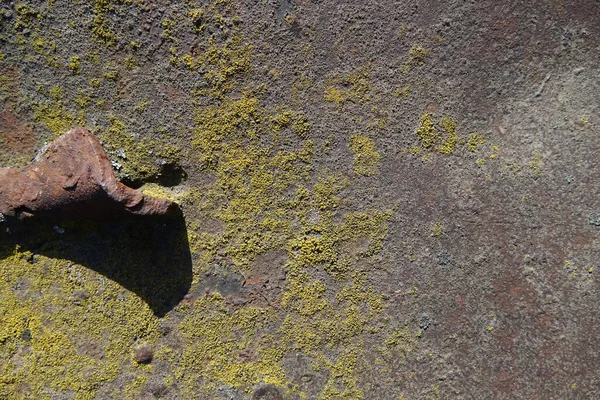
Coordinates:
[15,136]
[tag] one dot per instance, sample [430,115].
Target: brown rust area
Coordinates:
[15,136]
[73,175]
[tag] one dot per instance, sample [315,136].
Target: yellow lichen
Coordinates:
[227,346]
[49,343]
[353,87]
[26,16]
[536,164]
[366,158]
[75,65]
[427,132]
[474,141]
[130,62]
[262,193]
[437,229]
[54,115]
[404,92]
[100,25]
[442,136]
[449,127]
[418,54]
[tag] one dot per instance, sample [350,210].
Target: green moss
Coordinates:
[366,158]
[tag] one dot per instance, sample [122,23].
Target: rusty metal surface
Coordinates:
[72,175]
[323,251]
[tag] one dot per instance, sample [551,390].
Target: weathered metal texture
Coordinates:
[72,175]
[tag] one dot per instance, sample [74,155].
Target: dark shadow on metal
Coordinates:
[149,256]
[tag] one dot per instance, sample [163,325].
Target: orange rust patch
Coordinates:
[15,135]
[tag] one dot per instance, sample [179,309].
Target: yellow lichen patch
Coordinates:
[442,136]
[140,159]
[315,250]
[257,187]
[227,346]
[111,71]
[583,122]
[343,382]
[221,62]
[54,115]
[82,100]
[154,190]
[366,158]
[427,132]
[42,46]
[65,329]
[404,92]
[27,16]
[536,164]
[240,142]
[197,17]
[304,297]
[474,141]
[130,62]
[100,25]
[75,65]
[418,54]
[399,343]
[451,137]
[354,87]
[437,229]
[326,192]
[314,324]
[267,197]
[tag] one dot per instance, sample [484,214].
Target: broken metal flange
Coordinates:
[73,176]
